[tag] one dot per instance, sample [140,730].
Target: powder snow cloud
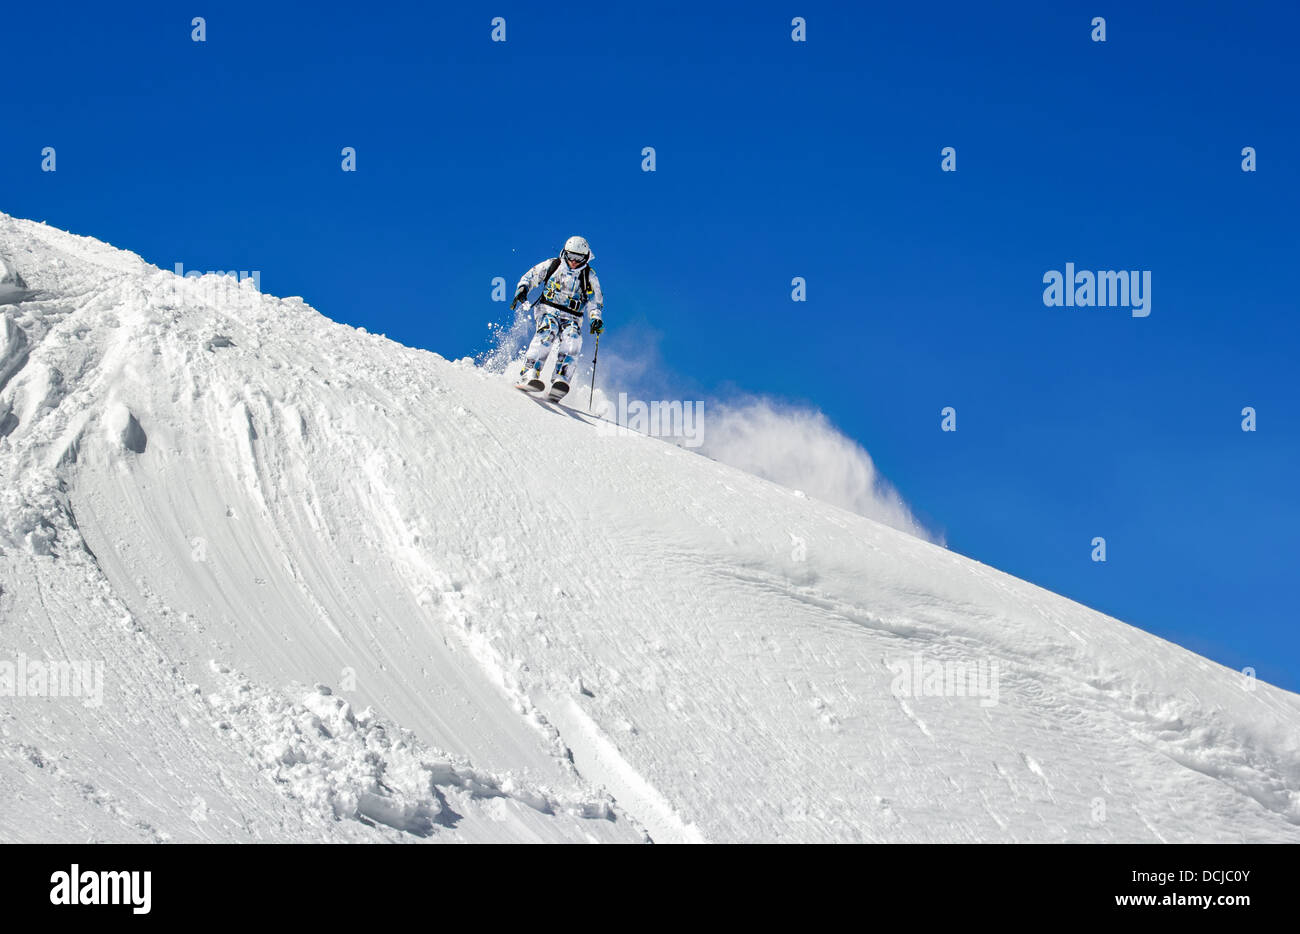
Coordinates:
[800,447]
[793,445]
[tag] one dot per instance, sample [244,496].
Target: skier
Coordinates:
[570,289]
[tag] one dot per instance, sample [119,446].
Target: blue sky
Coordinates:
[777,159]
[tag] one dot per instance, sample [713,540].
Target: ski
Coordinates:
[559,389]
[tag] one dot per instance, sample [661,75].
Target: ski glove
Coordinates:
[597,326]
[519,297]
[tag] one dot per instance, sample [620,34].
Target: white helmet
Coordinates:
[576,248]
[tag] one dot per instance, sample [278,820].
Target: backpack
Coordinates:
[584,277]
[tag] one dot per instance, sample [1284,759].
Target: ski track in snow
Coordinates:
[598,757]
[519,627]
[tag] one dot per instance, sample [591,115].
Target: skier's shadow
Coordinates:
[557,407]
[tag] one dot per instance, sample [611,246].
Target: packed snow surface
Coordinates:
[265,577]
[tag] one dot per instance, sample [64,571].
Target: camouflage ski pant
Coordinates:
[553,325]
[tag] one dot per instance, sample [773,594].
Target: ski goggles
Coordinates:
[578,258]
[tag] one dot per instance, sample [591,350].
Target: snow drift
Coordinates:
[344,590]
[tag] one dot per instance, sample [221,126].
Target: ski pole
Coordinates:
[594,357]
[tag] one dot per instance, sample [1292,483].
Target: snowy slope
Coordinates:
[346,590]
